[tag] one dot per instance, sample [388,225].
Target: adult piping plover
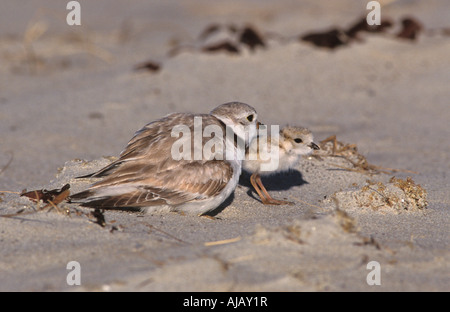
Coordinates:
[293,142]
[148,175]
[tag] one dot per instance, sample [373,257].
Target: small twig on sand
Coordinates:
[223,241]
[10,192]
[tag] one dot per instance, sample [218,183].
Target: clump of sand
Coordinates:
[396,196]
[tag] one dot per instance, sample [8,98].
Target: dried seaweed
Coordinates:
[232,40]
[251,38]
[362,25]
[331,147]
[331,39]
[411,29]
[51,197]
[238,37]
[55,196]
[226,46]
[149,66]
[336,36]
[413,191]
[398,195]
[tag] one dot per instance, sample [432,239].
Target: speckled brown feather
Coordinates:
[145,164]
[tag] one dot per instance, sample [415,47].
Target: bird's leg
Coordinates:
[256,187]
[267,199]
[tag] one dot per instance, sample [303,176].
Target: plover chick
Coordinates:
[148,176]
[292,144]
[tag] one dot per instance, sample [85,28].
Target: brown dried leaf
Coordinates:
[48,195]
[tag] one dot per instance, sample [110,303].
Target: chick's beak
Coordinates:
[314,146]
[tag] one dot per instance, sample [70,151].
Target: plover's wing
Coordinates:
[146,140]
[173,183]
[147,175]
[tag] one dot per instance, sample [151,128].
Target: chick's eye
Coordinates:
[250,118]
[298,140]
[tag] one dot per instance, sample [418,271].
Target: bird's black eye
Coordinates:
[250,118]
[298,140]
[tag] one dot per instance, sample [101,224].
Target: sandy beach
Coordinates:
[71,97]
